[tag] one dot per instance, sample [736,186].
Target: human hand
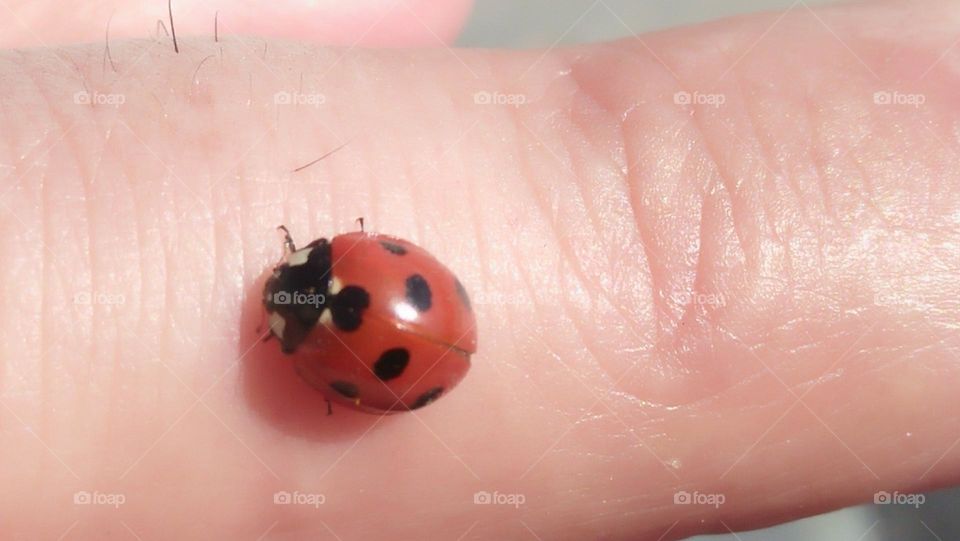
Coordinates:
[754,298]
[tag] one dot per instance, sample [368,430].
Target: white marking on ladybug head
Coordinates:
[326,317]
[277,324]
[335,286]
[299,257]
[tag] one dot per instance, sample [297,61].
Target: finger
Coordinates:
[749,297]
[366,23]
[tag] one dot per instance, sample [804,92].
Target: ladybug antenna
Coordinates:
[360,221]
[288,246]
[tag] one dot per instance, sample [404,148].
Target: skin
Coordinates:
[375,23]
[756,300]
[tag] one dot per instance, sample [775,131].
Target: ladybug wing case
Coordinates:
[399,332]
[381,371]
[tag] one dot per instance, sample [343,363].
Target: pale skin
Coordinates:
[754,298]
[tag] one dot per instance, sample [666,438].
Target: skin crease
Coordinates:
[813,229]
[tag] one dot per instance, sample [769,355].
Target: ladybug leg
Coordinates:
[329,407]
[260,326]
[288,246]
[360,221]
[263,319]
[266,337]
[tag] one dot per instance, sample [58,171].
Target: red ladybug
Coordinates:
[374,322]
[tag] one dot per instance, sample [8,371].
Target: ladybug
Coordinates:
[373,322]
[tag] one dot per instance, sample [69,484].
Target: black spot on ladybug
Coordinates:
[462,293]
[418,293]
[393,248]
[345,388]
[391,364]
[427,398]
[348,306]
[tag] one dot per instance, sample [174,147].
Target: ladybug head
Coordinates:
[297,293]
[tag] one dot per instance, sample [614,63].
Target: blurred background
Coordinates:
[543,23]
